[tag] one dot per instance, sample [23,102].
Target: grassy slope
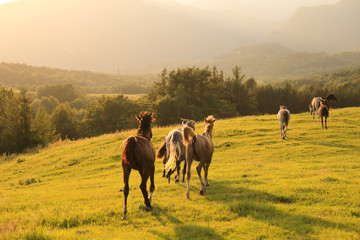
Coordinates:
[261,187]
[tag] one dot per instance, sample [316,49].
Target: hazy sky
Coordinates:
[263,9]
[5,1]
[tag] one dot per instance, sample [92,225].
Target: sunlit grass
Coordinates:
[261,187]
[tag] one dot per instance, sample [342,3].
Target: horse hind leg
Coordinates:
[152,183]
[326,123]
[177,177]
[206,170]
[144,178]
[184,171]
[126,174]
[198,169]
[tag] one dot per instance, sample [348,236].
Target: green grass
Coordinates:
[261,187]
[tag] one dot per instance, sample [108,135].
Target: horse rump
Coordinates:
[128,153]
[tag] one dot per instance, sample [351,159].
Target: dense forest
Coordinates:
[22,75]
[64,111]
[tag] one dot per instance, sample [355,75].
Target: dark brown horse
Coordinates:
[200,148]
[323,113]
[139,154]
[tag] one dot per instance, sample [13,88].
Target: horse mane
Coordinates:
[187,122]
[209,123]
[188,135]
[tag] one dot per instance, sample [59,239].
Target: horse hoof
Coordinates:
[124,217]
[207,184]
[187,195]
[176,180]
[202,192]
[148,208]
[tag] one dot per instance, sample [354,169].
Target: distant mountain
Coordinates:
[110,34]
[322,28]
[269,62]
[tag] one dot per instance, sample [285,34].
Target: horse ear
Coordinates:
[152,116]
[137,117]
[205,120]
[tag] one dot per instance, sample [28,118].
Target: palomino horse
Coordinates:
[283,116]
[200,148]
[323,113]
[315,103]
[138,153]
[173,150]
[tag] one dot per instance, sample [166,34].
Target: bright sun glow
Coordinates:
[6,1]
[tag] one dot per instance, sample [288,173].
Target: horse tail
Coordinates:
[188,135]
[286,119]
[162,150]
[175,149]
[128,153]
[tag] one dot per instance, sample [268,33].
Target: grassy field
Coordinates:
[261,187]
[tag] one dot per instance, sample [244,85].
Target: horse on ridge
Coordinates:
[284,117]
[200,148]
[323,113]
[173,150]
[315,103]
[139,154]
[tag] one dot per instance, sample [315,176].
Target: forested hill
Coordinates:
[329,80]
[271,62]
[22,75]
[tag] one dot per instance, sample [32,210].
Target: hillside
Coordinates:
[269,62]
[261,187]
[322,28]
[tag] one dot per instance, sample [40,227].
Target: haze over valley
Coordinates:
[147,35]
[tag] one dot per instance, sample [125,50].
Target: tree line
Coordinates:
[62,111]
[22,75]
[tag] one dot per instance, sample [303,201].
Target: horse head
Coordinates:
[311,109]
[331,97]
[145,119]
[187,122]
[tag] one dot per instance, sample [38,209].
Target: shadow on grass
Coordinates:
[180,230]
[191,232]
[259,206]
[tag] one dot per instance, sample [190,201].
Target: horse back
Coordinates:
[204,147]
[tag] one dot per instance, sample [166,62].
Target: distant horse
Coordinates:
[138,153]
[323,113]
[200,148]
[173,150]
[283,116]
[315,103]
